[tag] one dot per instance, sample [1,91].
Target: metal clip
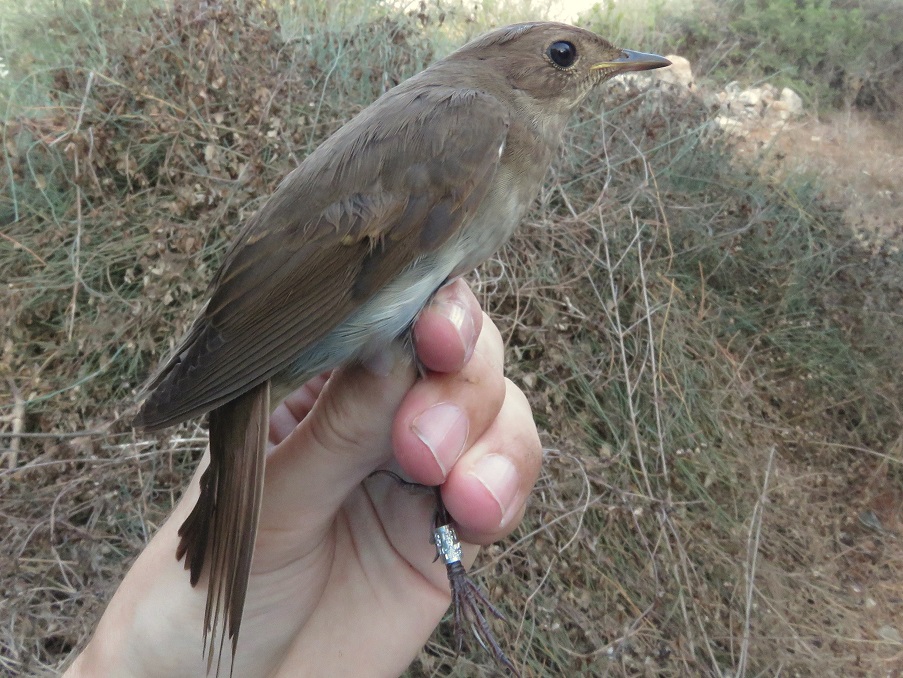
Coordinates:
[448,547]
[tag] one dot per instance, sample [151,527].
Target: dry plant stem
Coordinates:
[755,537]
[17,418]
[672,541]
[76,245]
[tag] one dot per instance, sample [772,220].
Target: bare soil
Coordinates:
[857,158]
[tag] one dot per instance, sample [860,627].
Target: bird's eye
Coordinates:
[563,54]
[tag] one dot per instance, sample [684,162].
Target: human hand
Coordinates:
[343,580]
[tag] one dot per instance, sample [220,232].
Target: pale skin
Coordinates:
[343,581]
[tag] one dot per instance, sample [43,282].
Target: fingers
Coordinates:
[472,431]
[346,435]
[330,437]
[487,489]
[444,414]
[289,413]
[447,329]
[463,425]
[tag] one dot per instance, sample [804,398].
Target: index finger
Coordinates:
[446,331]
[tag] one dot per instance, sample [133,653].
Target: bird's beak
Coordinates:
[632,61]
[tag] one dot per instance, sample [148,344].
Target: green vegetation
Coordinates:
[833,52]
[713,355]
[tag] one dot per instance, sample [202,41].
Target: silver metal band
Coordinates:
[448,547]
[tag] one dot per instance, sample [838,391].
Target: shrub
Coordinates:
[834,52]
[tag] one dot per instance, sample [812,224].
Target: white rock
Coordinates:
[679,73]
[777,110]
[792,101]
[730,125]
[711,99]
[751,98]
[639,80]
[890,634]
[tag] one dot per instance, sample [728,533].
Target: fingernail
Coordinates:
[499,476]
[443,429]
[458,313]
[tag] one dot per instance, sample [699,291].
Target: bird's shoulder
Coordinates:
[417,146]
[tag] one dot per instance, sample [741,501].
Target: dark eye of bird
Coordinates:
[563,53]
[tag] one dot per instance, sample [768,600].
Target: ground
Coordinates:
[707,329]
[846,517]
[857,158]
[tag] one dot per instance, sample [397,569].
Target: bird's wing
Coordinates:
[393,184]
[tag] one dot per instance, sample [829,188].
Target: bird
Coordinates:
[414,191]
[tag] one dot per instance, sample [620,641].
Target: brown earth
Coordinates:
[857,158]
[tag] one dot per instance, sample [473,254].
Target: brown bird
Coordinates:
[418,188]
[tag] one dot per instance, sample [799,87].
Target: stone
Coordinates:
[638,80]
[750,98]
[679,73]
[792,101]
[890,634]
[730,125]
[777,110]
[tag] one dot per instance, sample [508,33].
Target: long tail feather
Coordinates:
[223,523]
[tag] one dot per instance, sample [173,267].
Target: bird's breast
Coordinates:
[390,312]
[497,218]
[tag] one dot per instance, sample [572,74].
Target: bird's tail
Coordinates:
[223,523]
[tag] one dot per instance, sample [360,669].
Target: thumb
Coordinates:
[345,437]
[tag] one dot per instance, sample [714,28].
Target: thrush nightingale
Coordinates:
[418,188]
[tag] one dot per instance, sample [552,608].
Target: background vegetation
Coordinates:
[834,52]
[712,352]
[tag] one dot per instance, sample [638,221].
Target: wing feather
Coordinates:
[395,183]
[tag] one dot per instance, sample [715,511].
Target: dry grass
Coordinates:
[712,355]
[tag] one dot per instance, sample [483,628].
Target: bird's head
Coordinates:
[555,65]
